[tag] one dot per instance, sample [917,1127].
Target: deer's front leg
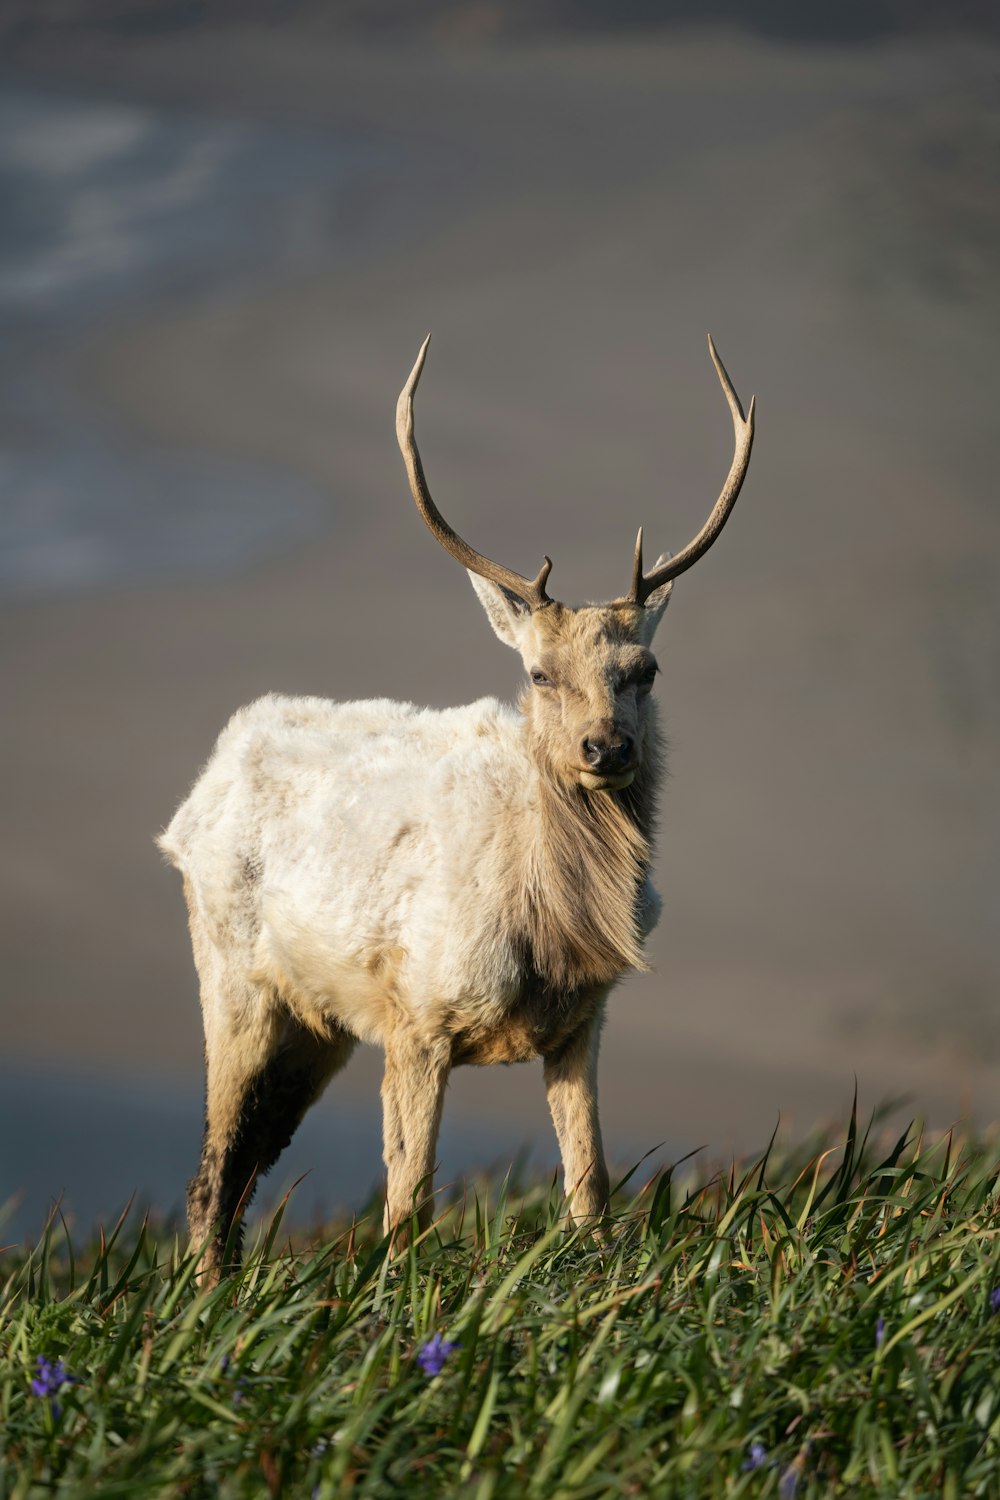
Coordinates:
[571,1085]
[416,1075]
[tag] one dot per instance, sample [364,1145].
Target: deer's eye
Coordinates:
[539,678]
[648,678]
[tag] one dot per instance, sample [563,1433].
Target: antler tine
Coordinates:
[643,584]
[531,591]
[637,567]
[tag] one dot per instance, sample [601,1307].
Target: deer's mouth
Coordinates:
[606,781]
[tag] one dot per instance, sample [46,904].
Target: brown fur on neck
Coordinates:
[579,888]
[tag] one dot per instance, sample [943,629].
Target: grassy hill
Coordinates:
[823,1323]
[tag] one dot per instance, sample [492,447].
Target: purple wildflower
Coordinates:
[789,1482]
[433,1354]
[239,1383]
[756,1457]
[50,1377]
[995,1300]
[879,1332]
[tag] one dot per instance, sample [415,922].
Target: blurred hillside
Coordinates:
[225,231]
[469,20]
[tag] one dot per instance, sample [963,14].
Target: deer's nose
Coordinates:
[608,754]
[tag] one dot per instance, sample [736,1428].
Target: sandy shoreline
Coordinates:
[569,221]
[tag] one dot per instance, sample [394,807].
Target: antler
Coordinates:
[531,591]
[643,584]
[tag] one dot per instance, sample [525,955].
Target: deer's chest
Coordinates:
[537,1024]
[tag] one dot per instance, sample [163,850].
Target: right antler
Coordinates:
[643,584]
[531,591]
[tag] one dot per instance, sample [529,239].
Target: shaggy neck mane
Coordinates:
[581,870]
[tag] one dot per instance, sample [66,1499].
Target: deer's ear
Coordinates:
[507,613]
[657,602]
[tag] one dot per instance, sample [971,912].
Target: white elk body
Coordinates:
[361,852]
[456,886]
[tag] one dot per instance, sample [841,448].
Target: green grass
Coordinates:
[835,1308]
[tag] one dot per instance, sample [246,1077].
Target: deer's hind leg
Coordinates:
[264,1069]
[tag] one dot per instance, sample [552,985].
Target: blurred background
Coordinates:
[224,230]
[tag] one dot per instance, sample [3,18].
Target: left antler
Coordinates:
[643,584]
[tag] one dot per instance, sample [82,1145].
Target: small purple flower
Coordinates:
[433,1354]
[239,1383]
[756,1457]
[789,1482]
[879,1332]
[50,1377]
[995,1300]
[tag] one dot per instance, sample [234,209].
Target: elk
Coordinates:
[456,886]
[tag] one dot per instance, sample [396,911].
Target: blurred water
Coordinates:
[110,202]
[107,207]
[85,504]
[90,1141]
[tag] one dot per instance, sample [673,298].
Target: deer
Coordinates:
[456,886]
